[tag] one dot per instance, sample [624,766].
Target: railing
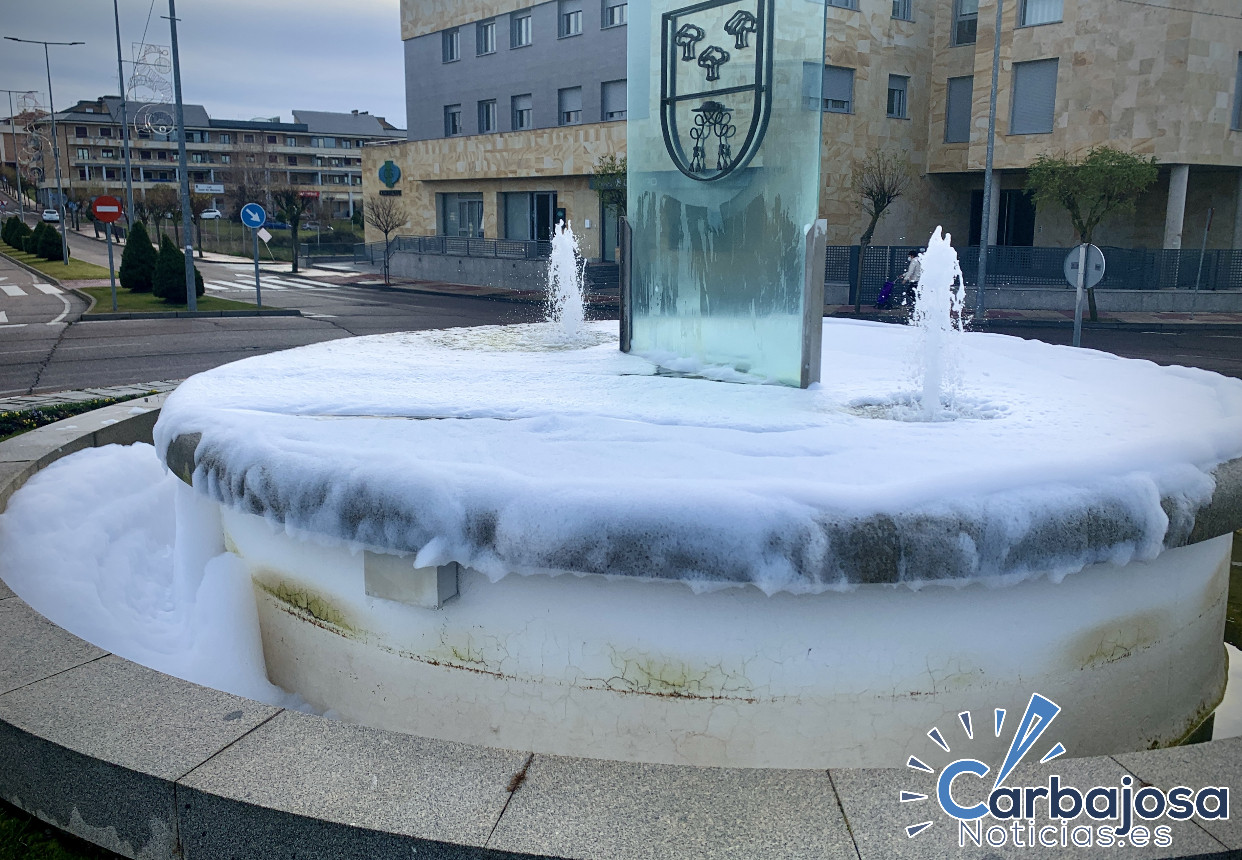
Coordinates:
[460,246]
[1125,268]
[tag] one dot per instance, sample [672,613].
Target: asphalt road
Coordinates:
[43,346]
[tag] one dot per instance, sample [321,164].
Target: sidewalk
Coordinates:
[58,398]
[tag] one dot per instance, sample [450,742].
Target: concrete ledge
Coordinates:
[152,766]
[157,315]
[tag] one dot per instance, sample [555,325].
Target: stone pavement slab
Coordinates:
[356,780]
[111,738]
[44,648]
[590,809]
[878,818]
[1195,766]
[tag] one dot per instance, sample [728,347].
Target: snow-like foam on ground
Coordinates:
[591,459]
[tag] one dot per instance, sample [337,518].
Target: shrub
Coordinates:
[30,243]
[138,260]
[168,282]
[18,233]
[51,247]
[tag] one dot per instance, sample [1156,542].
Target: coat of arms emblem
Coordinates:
[716,78]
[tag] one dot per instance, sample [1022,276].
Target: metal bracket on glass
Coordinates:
[813,302]
[625,236]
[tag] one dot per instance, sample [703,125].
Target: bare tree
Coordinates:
[878,180]
[199,203]
[386,214]
[164,202]
[292,207]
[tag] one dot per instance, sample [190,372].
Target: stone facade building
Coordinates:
[319,152]
[507,99]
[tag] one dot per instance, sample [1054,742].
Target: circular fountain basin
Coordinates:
[501,537]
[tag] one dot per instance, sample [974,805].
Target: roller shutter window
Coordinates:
[1034,97]
[957,109]
[838,89]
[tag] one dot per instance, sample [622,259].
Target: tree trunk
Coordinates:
[198,228]
[293,234]
[858,276]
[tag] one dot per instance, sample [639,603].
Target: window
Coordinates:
[197,157]
[79,131]
[460,215]
[1039,12]
[1034,97]
[247,138]
[612,100]
[83,152]
[957,109]
[161,155]
[519,30]
[843,4]
[528,215]
[485,37]
[271,138]
[570,17]
[902,10]
[291,141]
[965,21]
[898,86]
[838,90]
[523,113]
[292,160]
[273,159]
[225,137]
[614,13]
[569,105]
[107,153]
[225,158]
[145,155]
[451,45]
[83,173]
[104,131]
[487,116]
[1237,97]
[452,120]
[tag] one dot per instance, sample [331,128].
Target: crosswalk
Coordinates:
[14,291]
[245,283]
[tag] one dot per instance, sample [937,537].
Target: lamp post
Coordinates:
[191,299]
[21,203]
[51,107]
[120,75]
[986,227]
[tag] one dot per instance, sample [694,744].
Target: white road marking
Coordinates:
[47,288]
[4,317]
[297,285]
[220,285]
[12,290]
[14,325]
[64,313]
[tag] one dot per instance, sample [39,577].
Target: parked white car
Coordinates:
[51,215]
[211,215]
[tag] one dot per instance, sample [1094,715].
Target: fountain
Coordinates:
[507,537]
[566,295]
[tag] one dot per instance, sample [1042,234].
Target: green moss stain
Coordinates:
[1115,640]
[662,676]
[307,602]
[1233,612]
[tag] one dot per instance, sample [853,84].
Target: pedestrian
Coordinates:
[910,278]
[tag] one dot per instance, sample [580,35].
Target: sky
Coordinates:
[241,59]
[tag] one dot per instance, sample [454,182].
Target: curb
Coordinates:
[157,315]
[147,765]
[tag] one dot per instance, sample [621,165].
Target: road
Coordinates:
[44,347]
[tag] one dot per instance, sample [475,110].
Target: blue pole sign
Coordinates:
[253,216]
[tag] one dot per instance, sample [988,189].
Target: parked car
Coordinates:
[273,224]
[316,227]
[51,215]
[210,215]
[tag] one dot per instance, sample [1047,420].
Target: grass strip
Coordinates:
[77,270]
[128,302]
[24,420]
[23,837]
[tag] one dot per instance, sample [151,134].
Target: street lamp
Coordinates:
[988,191]
[120,74]
[21,204]
[51,107]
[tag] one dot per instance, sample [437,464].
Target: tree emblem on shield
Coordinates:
[716,84]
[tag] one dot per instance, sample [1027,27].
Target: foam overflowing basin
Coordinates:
[482,537]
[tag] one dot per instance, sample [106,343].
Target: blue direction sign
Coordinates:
[253,216]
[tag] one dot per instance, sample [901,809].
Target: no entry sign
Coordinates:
[107,209]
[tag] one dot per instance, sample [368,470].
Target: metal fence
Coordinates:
[1125,268]
[459,246]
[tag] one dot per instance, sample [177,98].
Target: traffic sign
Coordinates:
[253,215]
[107,209]
[1093,272]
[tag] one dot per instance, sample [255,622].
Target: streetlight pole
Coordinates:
[986,227]
[191,299]
[51,107]
[120,75]
[21,203]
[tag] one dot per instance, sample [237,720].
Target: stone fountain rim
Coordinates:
[316,795]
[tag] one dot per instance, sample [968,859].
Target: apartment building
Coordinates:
[319,152]
[510,105]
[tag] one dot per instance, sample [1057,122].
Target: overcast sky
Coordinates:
[241,59]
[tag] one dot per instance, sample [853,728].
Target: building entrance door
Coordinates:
[1016,224]
[544,212]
